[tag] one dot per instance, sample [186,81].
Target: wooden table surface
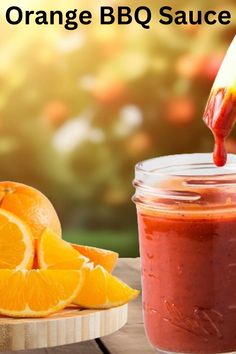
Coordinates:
[128,340]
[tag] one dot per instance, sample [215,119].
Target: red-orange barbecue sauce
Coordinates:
[189,281]
[219,116]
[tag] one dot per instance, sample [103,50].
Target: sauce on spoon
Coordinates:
[220,112]
[220,116]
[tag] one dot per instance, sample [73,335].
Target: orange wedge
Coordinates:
[16,242]
[107,259]
[101,290]
[55,253]
[37,293]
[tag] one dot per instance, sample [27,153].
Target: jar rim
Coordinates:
[186,165]
[179,181]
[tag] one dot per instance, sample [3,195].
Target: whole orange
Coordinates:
[31,206]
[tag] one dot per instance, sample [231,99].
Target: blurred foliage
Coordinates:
[79,109]
[125,242]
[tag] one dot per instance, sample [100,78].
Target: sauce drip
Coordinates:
[220,116]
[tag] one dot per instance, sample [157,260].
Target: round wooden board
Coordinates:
[66,327]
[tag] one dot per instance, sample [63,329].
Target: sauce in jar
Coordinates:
[187,235]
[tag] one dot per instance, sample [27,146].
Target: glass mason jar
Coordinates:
[186,210]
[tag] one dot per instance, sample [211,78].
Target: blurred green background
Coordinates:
[78,109]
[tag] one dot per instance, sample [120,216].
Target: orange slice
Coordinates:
[16,242]
[107,259]
[55,253]
[37,293]
[102,290]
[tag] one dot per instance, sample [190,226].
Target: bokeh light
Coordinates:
[78,109]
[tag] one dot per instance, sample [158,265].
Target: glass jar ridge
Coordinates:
[182,182]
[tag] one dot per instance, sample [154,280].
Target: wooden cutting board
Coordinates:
[68,326]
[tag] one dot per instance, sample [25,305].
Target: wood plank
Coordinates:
[129,271]
[131,339]
[90,347]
